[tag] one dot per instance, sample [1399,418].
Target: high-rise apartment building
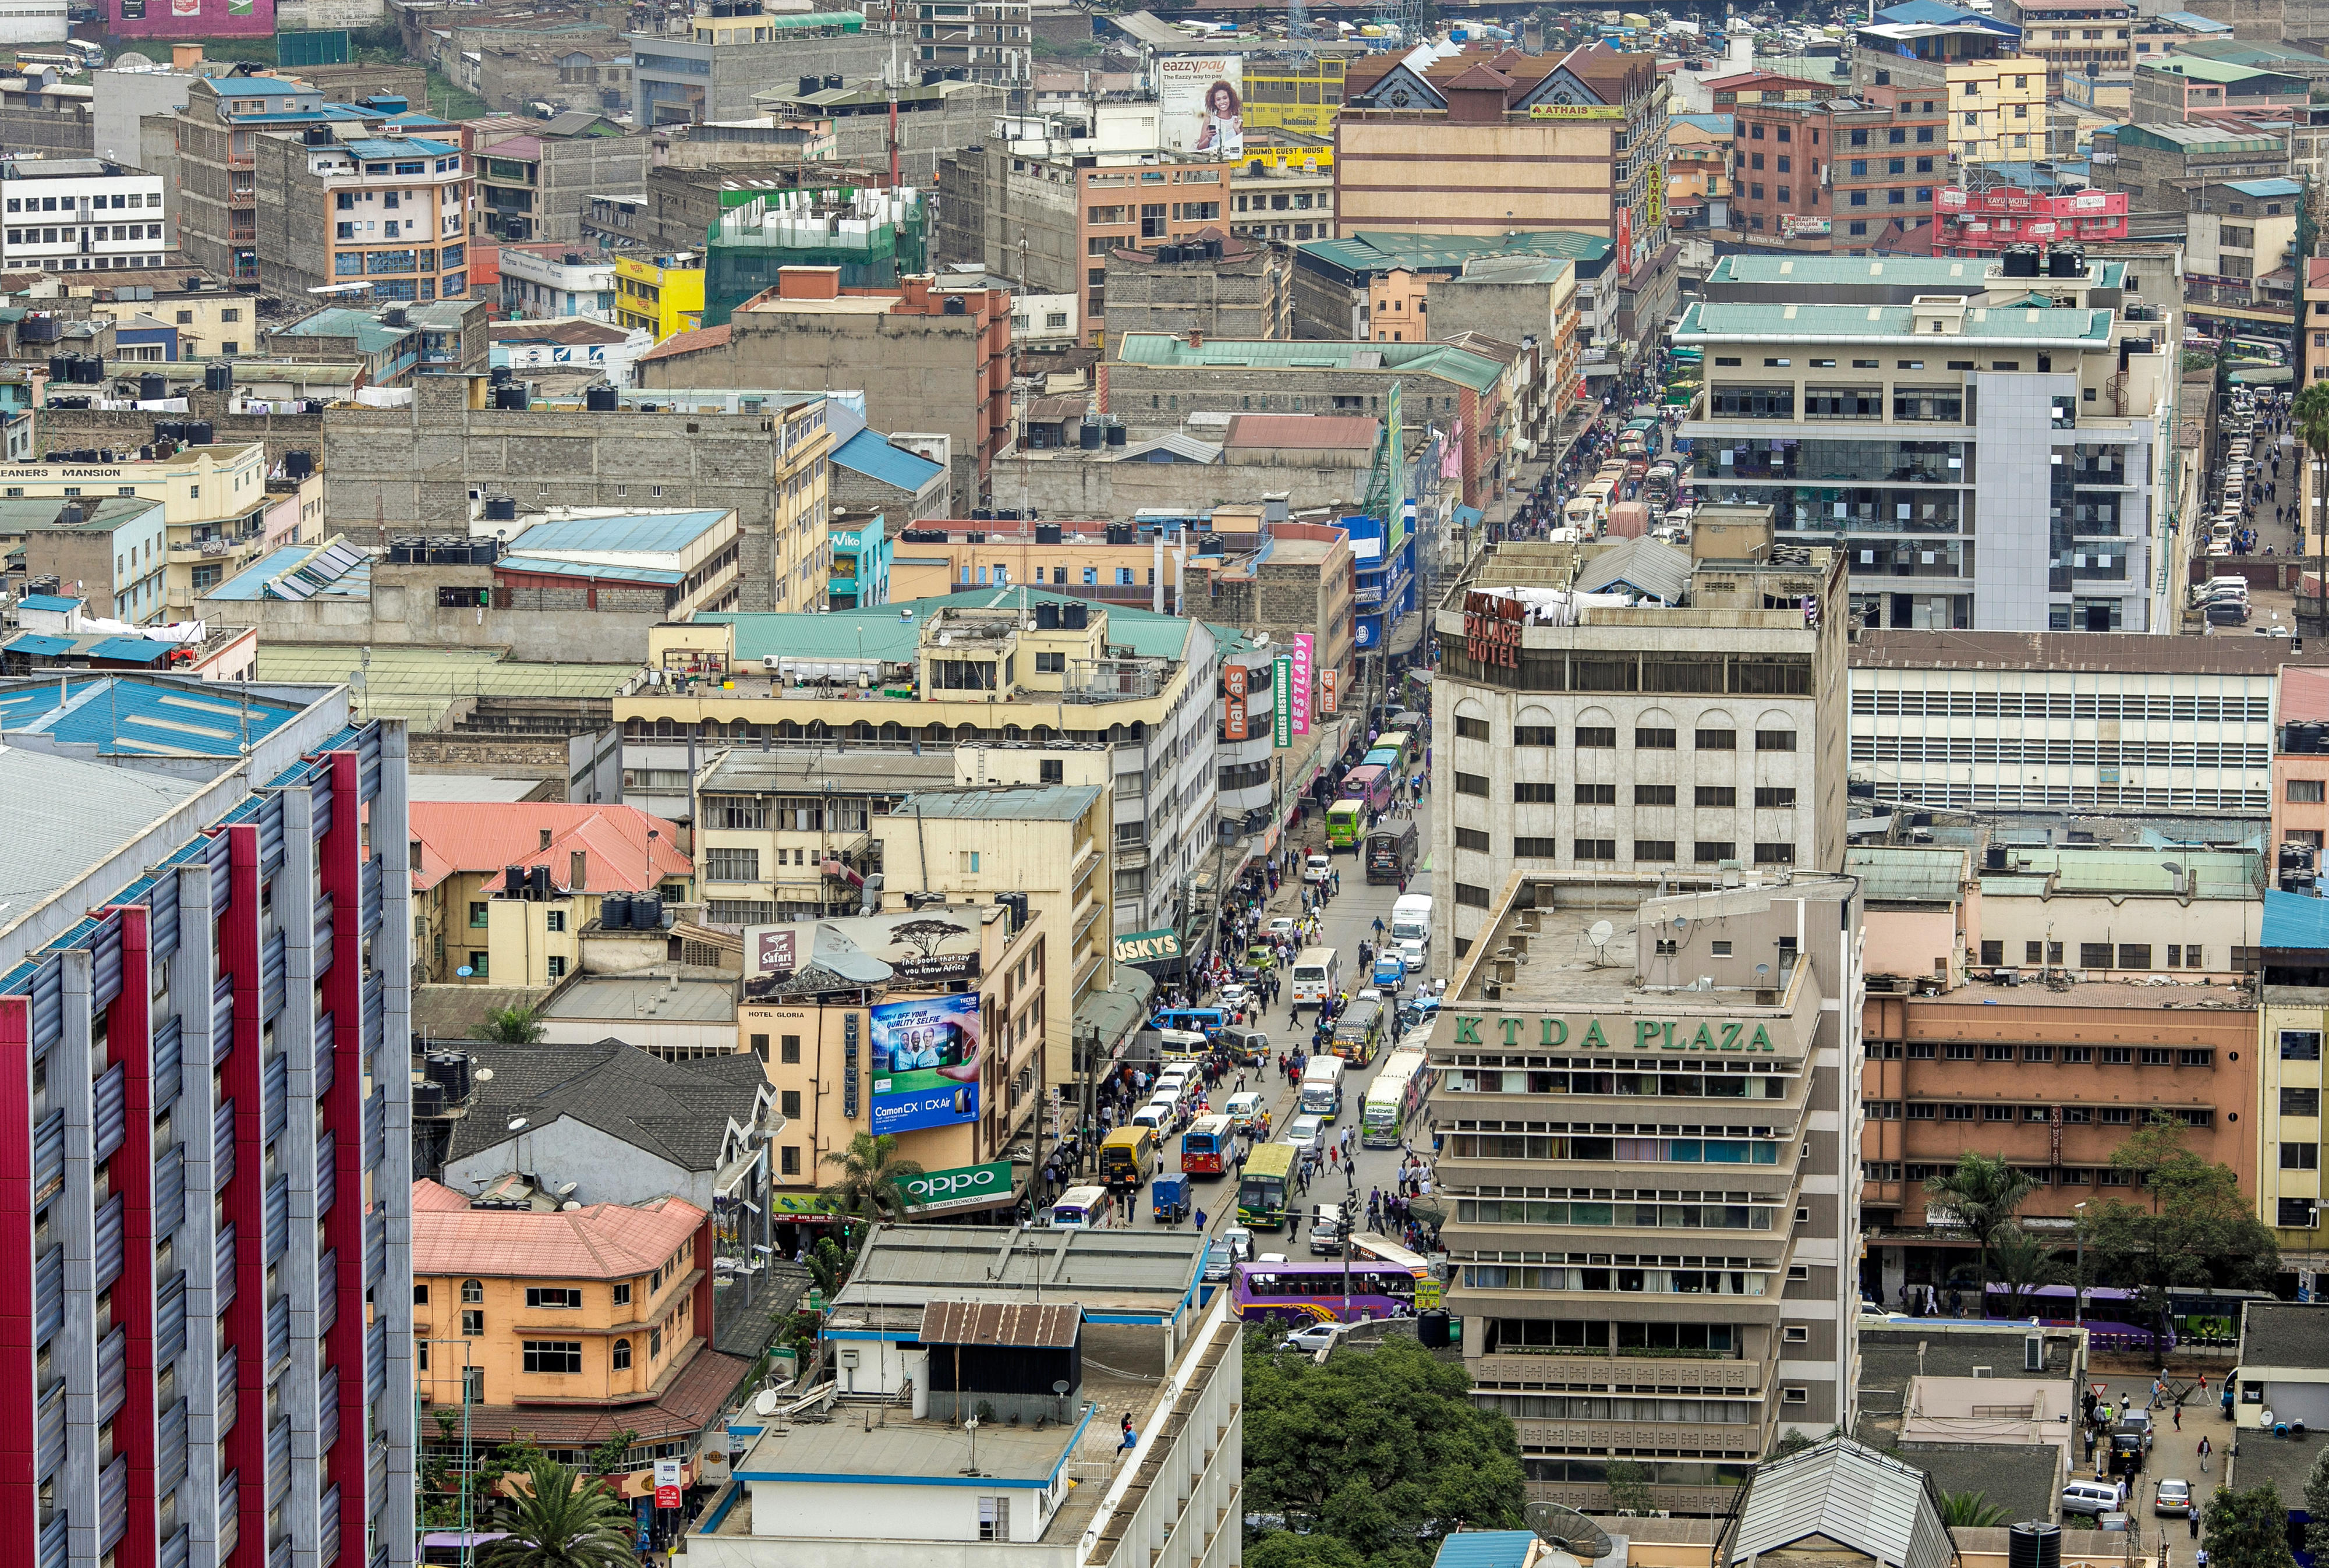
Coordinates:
[81,215]
[379,217]
[1675,1293]
[1986,461]
[1700,731]
[203,1020]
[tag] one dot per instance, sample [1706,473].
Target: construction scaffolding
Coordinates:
[873,236]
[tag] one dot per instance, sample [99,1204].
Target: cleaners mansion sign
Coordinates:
[1620,1034]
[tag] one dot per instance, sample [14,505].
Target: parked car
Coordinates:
[2092,1498]
[2174,1498]
[1311,1337]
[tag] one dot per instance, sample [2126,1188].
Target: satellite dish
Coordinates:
[568,1206]
[484,1074]
[566,1189]
[1599,933]
[765,1402]
[1557,1525]
[518,1124]
[1681,920]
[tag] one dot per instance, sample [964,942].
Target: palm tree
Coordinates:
[510,1027]
[1987,1193]
[1970,1511]
[872,1183]
[559,1523]
[2309,419]
[2021,1263]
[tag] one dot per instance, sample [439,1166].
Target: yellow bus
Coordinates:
[1128,1157]
[1262,1185]
[1410,752]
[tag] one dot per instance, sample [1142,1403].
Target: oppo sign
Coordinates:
[963,1186]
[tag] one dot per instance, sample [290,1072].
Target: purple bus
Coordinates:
[1295,1294]
[1370,784]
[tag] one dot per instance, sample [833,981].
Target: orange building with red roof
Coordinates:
[475,926]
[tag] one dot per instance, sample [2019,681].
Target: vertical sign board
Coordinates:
[1281,701]
[1327,681]
[1234,677]
[1303,645]
[668,1483]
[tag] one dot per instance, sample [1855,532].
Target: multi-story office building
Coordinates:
[214,502]
[554,281]
[1822,173]
[993,39]
[2293,1018]
[215,143]
[1997,111]
[379,217]
[1683,1323]
[205,1014]
[708,65]
[113,553]
[2069,35]
[2007,722]
[660,294]
[1987,463]
[1675,737]
[81,215]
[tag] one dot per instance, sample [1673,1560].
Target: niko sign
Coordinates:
[1646,1034]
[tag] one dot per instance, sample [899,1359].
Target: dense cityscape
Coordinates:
[612,506]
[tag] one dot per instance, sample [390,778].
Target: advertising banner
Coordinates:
[1625,239]
[925,1062]
[1148,946]
[1233,725]
[969,1186]
[192,18]
[1305,644]
[1281,701]
[669,1482]
[1201,104]
[1328,680]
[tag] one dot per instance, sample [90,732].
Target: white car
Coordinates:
[1410,953]
[1305,1132]
[1319,867]
[1234,993]
[1311,1338]
[1282,926]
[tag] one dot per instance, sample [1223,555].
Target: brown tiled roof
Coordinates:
[601,1241]
[679,342]
[1022,1324]
[1312,432]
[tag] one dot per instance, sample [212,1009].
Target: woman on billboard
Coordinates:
[1223,131]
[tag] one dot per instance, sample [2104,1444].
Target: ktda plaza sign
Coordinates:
[1620,1033]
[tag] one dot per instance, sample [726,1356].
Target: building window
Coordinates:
[471,1291]
[789,1050]
[1768,853]
[473,1324]
[557,1296]
[1535,735]
[1471,729]
[622,1361]
[553,1355]
[623,1294]
[1653,851]
[1775,800]
[1470,896]
[2094,955]
[1654,739]
[2300,1157]
[557,965]
[1597,849]
[995,1518]
[1774,740]
[1474,839]
[1720,794]
[1718,740]
[477,913]
[1472,784]
[2305,791]
[788,1162]
[1532,794]
[1595,737]
[1708,851]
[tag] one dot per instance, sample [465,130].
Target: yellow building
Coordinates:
[1294,95]
[802,558]
[470,925]
[601,1305]
[664,294]
[1997,109]
[1697,157]
[214,504]
[928,1024]
[210,322]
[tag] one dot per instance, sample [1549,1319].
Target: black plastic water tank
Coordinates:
[298,464]
[498,376]
[60,366]
[90,369]
[1115,435]
[199,433]
[427,1098]
[646,913]
[2034,1543]
[501,509]
[152,388]
[1090,434]
[1047,533]
[601,399]
[615,912]
[1047,615]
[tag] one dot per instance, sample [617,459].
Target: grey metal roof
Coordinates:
[648,999]
[1889,875]
[67,817]
[1021,1323]
[1143,1273]
[678,1110]
[1647,566]
[2287,1334]
[1853,1496]
[1022,803]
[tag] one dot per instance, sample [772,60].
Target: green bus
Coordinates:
[1346,824]
[1410,752]
[1262,1188]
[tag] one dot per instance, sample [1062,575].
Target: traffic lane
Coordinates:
[1348,919]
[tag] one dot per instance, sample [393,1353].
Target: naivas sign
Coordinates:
[1619,1034]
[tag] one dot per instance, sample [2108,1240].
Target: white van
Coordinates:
[1317,974]
[1411,917]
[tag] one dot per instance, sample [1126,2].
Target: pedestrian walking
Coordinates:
[2178,1413]
[2206,1449]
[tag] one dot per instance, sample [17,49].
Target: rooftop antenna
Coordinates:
[1599,933]
[1557,1525]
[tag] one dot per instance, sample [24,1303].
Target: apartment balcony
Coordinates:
[1721,1369]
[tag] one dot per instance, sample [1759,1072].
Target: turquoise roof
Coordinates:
[339,321]
[2273,187]
[1706,321]
[1434,359]
[1484,1549]
[138,715]
[551,566]
[391,147]
[2295,920]
[870,453]
[637,533]
[889,635]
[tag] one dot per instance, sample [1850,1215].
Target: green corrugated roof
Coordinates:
[1016,802]
[1714,320]
[1377,250]
[2193,138]
[1903,271]
[2213,874]
[1889,875]
[1456,365]
[2202,70]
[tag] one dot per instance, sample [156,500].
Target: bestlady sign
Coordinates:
[1646,1034]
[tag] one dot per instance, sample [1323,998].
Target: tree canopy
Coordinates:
[2247,1529]
[1378,1452]
[2195,1228]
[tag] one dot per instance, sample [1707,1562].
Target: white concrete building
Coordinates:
[2005,722]
[1692,736]
[79,215]
[546,280]
[1987,462]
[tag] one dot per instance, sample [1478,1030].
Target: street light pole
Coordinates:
[2079,1289]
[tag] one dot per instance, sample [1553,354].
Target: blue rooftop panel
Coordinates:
[133,714]
[868,453]
[2295,920]
[49,601]
[40,644]
[145,650]
[642,533]
[550,566]
[1484,1549]
[388,147]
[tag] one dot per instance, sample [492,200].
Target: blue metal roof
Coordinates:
[2272,187]
[49,602]
[870,453]
[2295,920]
[409,147]
[1484,1549]
[247,583]
[551,566]
[640,534]
[133,714]
[40,644]
[145,650]
[2192,22]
